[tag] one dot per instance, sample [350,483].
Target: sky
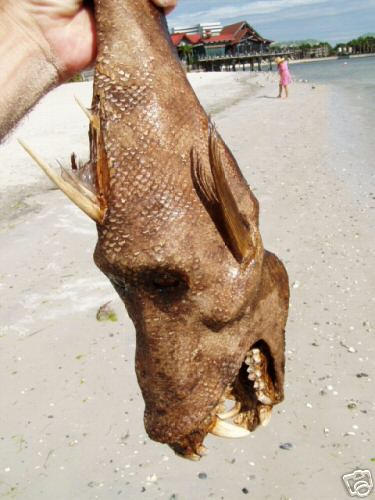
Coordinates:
[333,21]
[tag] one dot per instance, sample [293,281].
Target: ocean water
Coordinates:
[354,78]
[352,113]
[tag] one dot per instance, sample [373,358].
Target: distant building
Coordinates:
[198,29]
[322,51]
[245,38]
[189,47]
[234,39]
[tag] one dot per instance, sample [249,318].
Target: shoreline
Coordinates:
[290,61]
[329,58]
[62,367]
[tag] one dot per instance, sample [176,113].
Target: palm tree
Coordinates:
[186,53]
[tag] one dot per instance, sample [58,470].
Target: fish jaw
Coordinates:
[252,399]
[187,369]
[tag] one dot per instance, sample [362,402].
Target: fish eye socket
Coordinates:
[167,282]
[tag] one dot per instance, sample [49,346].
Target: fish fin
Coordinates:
[91,208]
[237,229]
[99,158]
[202,183]
[214,191]
[75,182]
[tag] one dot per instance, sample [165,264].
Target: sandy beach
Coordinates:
[71,426]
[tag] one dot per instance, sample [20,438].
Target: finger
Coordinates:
[168,5]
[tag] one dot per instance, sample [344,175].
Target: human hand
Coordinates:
[64,29]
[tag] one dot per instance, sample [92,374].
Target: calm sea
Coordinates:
[354,77]
[352,82]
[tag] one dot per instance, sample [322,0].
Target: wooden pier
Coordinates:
[235,62]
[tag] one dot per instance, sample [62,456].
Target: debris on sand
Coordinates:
[106,313]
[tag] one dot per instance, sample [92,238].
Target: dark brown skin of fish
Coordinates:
[196,307]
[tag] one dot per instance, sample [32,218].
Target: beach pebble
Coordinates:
[152,479]
[202,475]
[245,491]
[286,446]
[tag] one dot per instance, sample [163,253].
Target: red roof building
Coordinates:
[246,38]
[234,39]
[179,39]
[219,39]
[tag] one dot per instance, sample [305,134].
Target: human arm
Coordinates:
[42,43]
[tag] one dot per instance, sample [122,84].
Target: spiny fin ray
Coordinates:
[85,204]
[238,233]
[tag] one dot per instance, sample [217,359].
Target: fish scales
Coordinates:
[180,240]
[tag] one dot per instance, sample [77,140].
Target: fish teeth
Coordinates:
[230,413]
[256,358]
[225,429]
[191,456]
[259,384]
[248,360]
[264,414]
[263,398]
[202,450]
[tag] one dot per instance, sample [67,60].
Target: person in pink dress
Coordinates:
[285,76]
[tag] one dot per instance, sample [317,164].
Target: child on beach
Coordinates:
[285,76]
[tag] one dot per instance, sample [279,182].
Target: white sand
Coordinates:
[71,424]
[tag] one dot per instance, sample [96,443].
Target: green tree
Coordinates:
[360,45]
[186,53]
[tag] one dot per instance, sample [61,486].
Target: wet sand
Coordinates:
[71,421]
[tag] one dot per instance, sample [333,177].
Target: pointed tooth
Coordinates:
[251,376]
[265,414]
[256,358]
[256,384]
[231,413]
[192,456]
[91,209]
[255,351]
[202,450]
[264,399]
[228,430]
